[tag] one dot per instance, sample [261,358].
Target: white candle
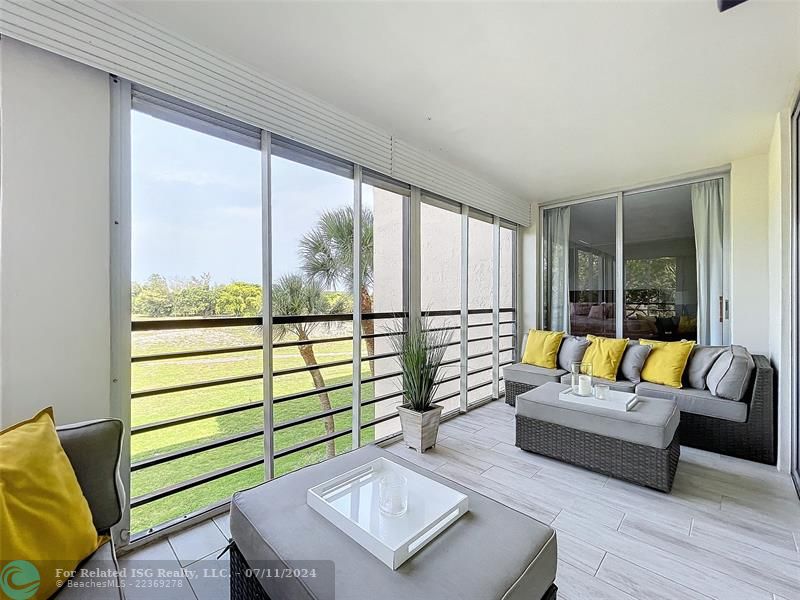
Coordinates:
[584,385]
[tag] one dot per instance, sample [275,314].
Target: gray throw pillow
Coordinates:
[730,374]
[633,361]
[700,362]
[597,312]
[572,350]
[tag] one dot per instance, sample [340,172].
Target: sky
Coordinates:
[196,205]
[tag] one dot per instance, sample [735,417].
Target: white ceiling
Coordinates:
[547,99]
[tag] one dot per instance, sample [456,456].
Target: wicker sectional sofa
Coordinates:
[743,429]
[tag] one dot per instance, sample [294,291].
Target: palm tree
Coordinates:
[327,255]
[292,295]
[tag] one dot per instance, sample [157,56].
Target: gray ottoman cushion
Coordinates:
[531,375]
[492,552]
[730,375]
[652,422]
[633,361]
[700,362]
[697,402]
[621,385]
[572,350]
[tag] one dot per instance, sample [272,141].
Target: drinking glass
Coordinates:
[575,372]
[393,494]
[601,391]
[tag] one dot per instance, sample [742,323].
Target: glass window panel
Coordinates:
[195,252]
[660,265]
[312,274]
[383,262]
[507,329]
[440,287]
[480,292]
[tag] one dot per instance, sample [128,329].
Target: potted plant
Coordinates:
[420,353]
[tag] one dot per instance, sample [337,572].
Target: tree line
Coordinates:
[195,297]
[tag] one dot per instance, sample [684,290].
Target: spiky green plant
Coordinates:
[420,354]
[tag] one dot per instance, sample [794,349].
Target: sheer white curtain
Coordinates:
[707,207]
[556,274]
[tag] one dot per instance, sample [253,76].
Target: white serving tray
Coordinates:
[350,502]
[615,400]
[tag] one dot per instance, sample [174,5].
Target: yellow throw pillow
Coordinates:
[666,362]
[542,348]
[45,521]
[605,355]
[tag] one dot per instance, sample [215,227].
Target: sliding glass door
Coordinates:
[579,266]
[642,264]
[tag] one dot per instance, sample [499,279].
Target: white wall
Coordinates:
[54,236]
[749,217]
[780,332]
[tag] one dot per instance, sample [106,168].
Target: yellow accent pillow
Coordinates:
[542,348]
[605,355]
[666,362]
[44,517]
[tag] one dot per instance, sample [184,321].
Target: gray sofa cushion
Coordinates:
[633,361]
[652,422]
[491,552]
[572,350]
[93,449]
[96,578]
[730,375]
[530,374]
[700,362]
[621,385]
[697,402]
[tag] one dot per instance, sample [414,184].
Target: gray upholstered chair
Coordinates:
[93,449]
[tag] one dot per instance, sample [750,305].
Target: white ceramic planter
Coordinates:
[420,429]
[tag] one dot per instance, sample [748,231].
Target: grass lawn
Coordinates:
[149,409]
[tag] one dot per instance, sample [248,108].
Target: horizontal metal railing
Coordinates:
[216,322]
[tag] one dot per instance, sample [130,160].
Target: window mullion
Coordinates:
[266,305]
[356,433]
[496,308]
[464,306]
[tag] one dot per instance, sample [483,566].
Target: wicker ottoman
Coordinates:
[640,446]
